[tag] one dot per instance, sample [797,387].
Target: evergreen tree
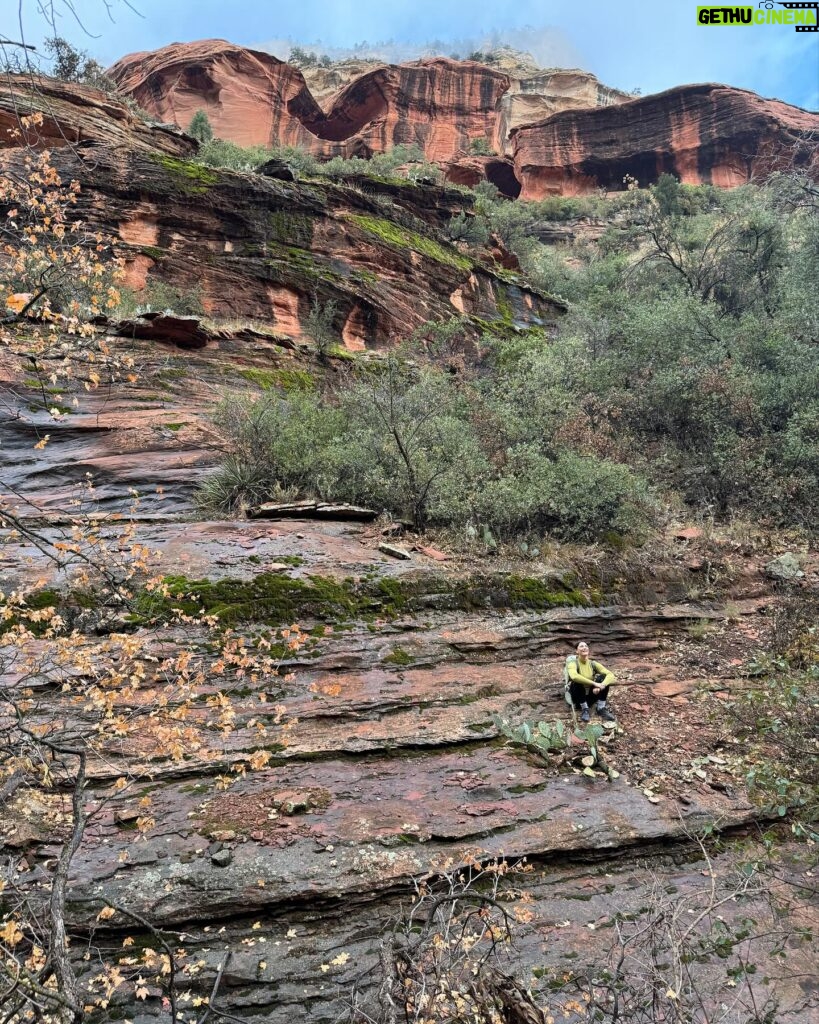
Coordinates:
[200,127]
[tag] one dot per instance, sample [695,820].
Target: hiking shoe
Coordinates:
[584,715]
[607,715]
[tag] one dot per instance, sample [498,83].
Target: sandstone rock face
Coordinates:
[253,98]
[355,107]
[437,104]
[240,90]
[393,764]
[261,248]
[325,82]
[700,133]
[76,115]
[565,131]
[393,768]
[470,170]
[538,94]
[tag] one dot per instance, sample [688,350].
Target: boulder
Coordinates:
[394,551]
[222,858]
[278,169]
[785,567]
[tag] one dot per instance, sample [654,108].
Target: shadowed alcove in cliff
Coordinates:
[470,171]
[502,175]
[197,79]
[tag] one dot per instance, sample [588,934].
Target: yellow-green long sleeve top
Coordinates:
[583,672]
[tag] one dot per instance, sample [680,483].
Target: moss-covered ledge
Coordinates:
[276,599]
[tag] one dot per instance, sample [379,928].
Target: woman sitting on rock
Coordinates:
[587,679]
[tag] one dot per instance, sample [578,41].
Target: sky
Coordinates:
[647,44]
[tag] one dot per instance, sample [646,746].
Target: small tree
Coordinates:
[667,194]
[319,326]
[302,58]
[410,443]
[73,65]
[200,127]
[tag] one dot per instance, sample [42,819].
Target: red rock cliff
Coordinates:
[256,247]
[76,115]
[699,133]
[251,98]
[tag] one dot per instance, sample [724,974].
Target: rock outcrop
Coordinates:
[261,248]
[252,98]
[77,115]
[702,134]
[535,93]
[564,131]
[355,107]
[391,769]
[470,170]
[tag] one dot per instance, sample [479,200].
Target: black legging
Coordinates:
[583,695]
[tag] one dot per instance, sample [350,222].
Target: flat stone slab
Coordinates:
[387,820]
[312,510]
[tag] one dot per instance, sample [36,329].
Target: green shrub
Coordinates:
[481,147]
[275,449]
[574,497]
[473,230]
[320,327]
[220,153]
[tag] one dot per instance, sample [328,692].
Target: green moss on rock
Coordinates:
[155,253]
[403,238]
[504,306]
[529,592]
[288,264]
[285,379]
[268,597]
[398,656]
[291,228]
[191,178]
[276,600]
